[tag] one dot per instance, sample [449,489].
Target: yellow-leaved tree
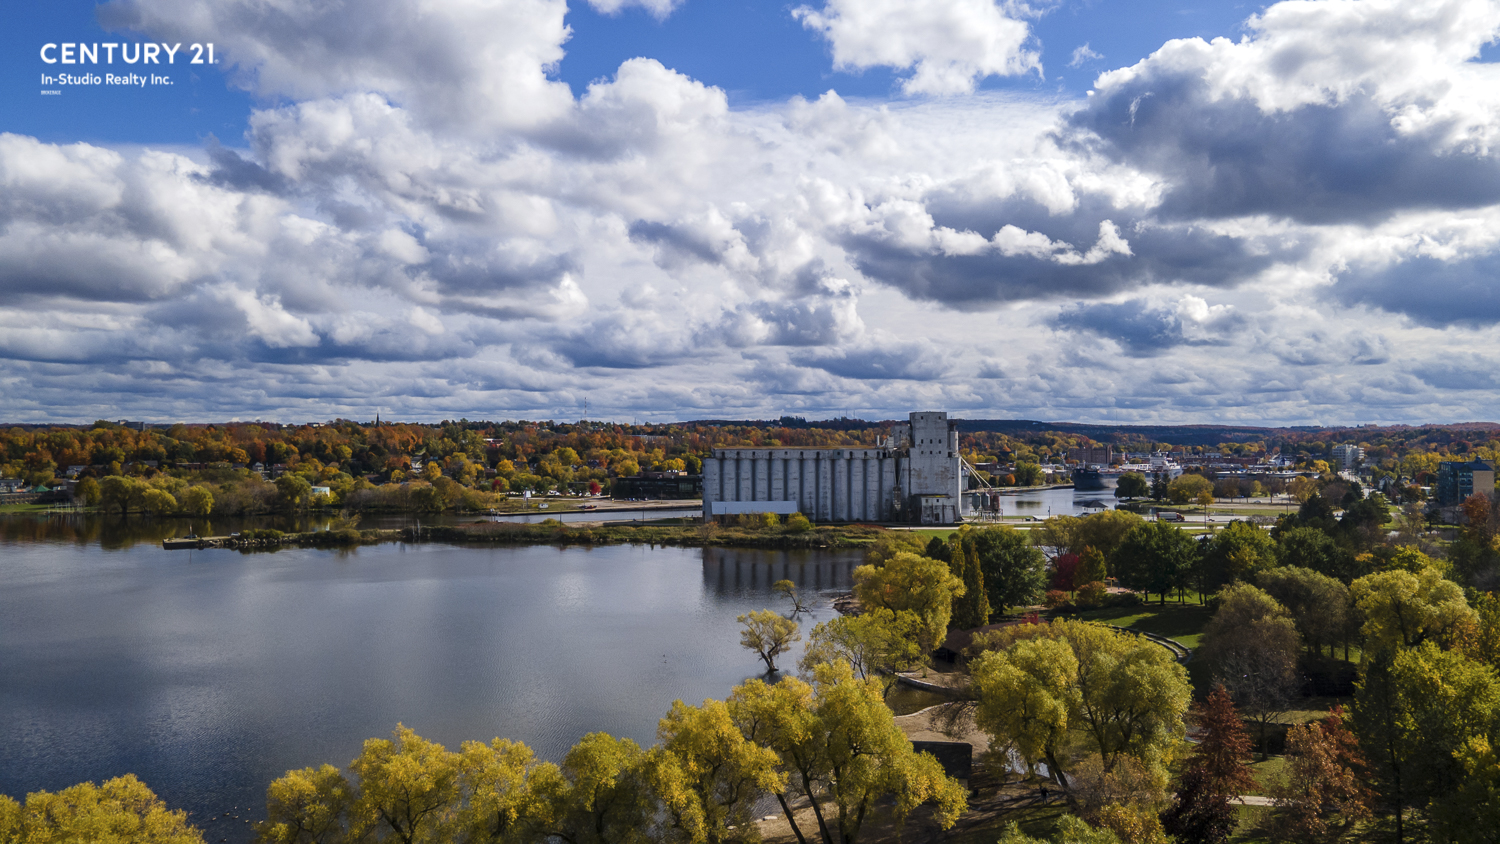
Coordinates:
[119,810]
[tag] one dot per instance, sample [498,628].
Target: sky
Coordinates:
[1068,210]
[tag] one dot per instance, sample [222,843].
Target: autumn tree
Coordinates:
[769,634]
[1322,793]
[1216,773]
[408,787]
[122,809]
[837,744]
[909,582]
[705,774]
[605,799]
[308,806]
[1399,609]
[1072,687]
[877,644]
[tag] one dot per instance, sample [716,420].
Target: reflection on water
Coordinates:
[1062,501]
[210,673]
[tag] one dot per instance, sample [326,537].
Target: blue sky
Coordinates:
[1265,214]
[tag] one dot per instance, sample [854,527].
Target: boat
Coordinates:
[1092,478]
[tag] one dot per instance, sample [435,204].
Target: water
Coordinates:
[210,673]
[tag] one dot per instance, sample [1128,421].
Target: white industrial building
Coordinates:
[915,476]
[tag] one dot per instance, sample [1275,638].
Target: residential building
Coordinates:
[1457,481]
[1349,457]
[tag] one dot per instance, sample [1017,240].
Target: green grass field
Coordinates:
[1182,622]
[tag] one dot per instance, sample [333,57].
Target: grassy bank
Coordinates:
[555,533]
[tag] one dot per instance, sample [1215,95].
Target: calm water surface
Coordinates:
[209,673]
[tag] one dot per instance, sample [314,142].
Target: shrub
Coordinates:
[798,523]
[1122,599]
[1091,595]
[1057,599]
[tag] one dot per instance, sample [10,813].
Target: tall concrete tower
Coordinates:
[933,478]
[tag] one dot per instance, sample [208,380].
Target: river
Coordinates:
[209,673]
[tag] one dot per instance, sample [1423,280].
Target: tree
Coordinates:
[87,491]
[197,501]
[1072,686]
[1092,568]
[1159,486]
[1185,488]
[706,774]
[1318,604]
[1415,710]
[605,799]
[506,794]
[408,787]
[1251,645]
[308,806]
[1028,474]
[1013,572]
[1217,772]
[122,809]
[293,490]
[877,644]
[918,584]
[1070,830]
[1235,553]
[789,589]
[1155,557]
[972,609]
[1323,792]
[1311,548]
[1132,485]
[769,634]
[157,501]
[837,742]
[1400,609]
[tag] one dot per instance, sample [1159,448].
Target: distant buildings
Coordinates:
[1102,455]
[1348,457]
[1457,481]
[915,476]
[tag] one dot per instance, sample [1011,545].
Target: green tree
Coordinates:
[1399,609]
[1070,830]
[789,589]
[877,644]
[1185,488]
[908,582]
[1028,474]
[308,806]
[1155,557]
[122,809]
[1013,572]
[1132,485]
[197,501]
[1092,568]
[1318,604]
[293,491]
[408,787]
[1415,711]
[706,774]
[1235,553]
[1251,646]
[837,742]
[87,491]
[157,502]
[972,609]
[768,633]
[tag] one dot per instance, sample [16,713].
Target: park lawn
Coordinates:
[1183,622]
[25,508]
[1266,773]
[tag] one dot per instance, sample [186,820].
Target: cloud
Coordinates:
[1430,291]
[1144,329]
[1325,112]
[659,9]
[880,358]
[472,65]
[1082,54]
[948,46]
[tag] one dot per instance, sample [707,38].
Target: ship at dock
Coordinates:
[1094,478]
